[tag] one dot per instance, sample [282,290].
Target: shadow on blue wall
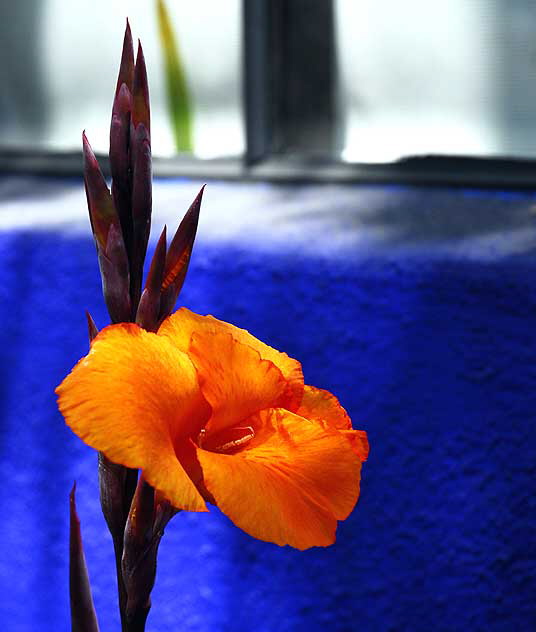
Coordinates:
[433,357]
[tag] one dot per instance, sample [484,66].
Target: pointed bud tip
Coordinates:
[140,58]
[126,67]
[89,155]
[72,506]
[161,243]
[199,197]
[195,208]
[139,67]
[91,327]
[180,249]
[128,35]
[140,92]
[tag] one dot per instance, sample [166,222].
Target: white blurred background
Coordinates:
[60,64]
[416,77]
[440,77]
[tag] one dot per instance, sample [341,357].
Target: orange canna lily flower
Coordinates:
[210,413]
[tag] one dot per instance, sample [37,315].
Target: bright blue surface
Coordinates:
[432,354]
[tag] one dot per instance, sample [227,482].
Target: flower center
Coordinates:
[225,441]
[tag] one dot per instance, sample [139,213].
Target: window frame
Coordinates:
[291,118]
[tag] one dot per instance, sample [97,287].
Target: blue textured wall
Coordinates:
[430,348]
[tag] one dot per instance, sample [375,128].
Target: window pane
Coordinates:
[63,63]
[455,77]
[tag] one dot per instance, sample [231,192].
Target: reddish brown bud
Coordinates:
[178,257]
[149,307]
[102,212]
[83,617]
[113,265]
[119,159]
[112,254]
[141,204]
[91,327]
[140,92]
[126,69]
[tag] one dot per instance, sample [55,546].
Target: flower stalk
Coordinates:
[120,219]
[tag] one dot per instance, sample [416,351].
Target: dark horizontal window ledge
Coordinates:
[463,171]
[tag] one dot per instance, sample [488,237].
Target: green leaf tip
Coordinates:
[179,102]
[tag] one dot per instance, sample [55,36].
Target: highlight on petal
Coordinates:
[180,326]
[132,397]
[289,484]
[233,378]
[321,406]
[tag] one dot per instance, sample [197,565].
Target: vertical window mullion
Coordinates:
[290,78]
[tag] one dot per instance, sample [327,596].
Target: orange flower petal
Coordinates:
[131,397]
[180,326]
[323,407]
[233,378]
[290,484]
